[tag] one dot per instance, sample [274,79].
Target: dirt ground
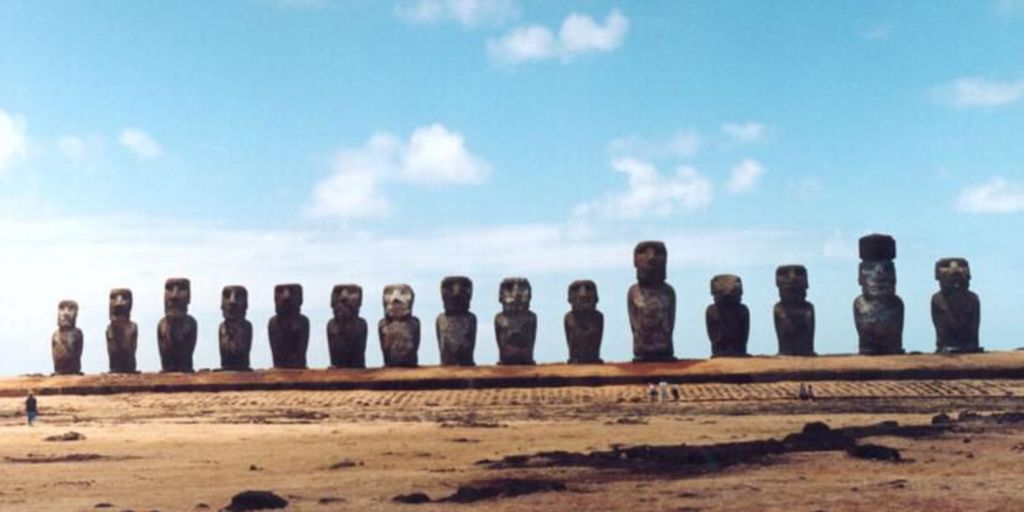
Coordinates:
[357,450]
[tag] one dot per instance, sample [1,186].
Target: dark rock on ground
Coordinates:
[255,500]
[67,436]
[412,498]
[503,488]
[875,452]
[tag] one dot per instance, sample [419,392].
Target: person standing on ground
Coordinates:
[31,411]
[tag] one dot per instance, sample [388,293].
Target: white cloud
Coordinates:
[140,143]
[579,34]
[682,144]
[468,13]
[980,92]
[78,149]
[433,155]
[838,247]
[997,195]
[878,32]
[745,176]
[1009,7]
[744,133]
[650,194]
[13,139]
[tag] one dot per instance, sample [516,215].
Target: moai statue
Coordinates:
[456,327]
[66,342]
[346,332]
[399,331]
[794,316]
[235,331]
[584,324]
[122,333]
[652,305]
[956,311]
[728,320]
[176,333]
[289,328]
[515,327]
[878,312]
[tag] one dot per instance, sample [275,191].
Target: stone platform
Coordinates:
[993,365]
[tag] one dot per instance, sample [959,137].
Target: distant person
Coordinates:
[810,393]
[652,392]
[676,393]
[31,411]
[663,391]
[803,394]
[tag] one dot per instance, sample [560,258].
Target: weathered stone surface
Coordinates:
[956,311]
[651,303]
[878,311]
[794,316]
[727,319]
[66,342]
[235,333]
[399,330]
[584,324]
[515,327]
[456,327]
[289,328]
[177,330]
[122,333]
[346,332]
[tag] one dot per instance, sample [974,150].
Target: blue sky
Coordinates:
[327,141]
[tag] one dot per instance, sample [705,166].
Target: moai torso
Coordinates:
[122,333]
[584,324]
[956,311]
[515,328]
[456,327]
[67,340]
[399,331]
[728,320]
[235,332]
[651,303]
[346,332]
[289,328]
[177,330]
[794,316]
[878,311]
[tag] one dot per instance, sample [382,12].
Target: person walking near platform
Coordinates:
[31,410]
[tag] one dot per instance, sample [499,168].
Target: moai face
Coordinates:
[120,303]
[177,296]
[234,302]
[288,299]
[953,274]
[514,294]
[346,299]
[456,292]
[398,299]
[67,314]
[650,259]
[792,282]
[877,278]
[727,289]
[583,296]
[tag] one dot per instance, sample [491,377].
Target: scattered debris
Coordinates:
[67,436]
[34,458]
[503,488]
[330,499]
[255,500]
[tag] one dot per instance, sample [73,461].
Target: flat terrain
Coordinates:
[357,450]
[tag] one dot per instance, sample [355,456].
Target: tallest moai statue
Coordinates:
[652,305]
[878,312]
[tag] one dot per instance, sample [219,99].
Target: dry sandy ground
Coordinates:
[176,452]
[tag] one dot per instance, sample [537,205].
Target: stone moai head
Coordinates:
[67,314]
[120,304]
[398,299]
[346,299]
[727,289]
[792,282]
[288,299]
[877,273]
[583,295]
[650,259]
[514,294]
[456,292]
[177,296]
[234,302]
[953,273]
